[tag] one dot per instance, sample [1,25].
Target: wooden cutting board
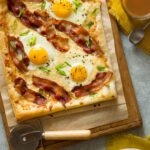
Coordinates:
[132,120]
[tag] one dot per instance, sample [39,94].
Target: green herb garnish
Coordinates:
[89,42]
[32,41]
[14,26]
[60,66]
[95,12]
[21,13]
[76,5]
[67,64]
[59,69]
[43,5]
[45,69]
[20,57]
[101,68]
[24,33]
[12,44]
[61,72]
[93,95]
[90,24]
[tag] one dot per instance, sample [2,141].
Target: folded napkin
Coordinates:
[127,24]
[126,141]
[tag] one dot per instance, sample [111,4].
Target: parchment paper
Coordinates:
[105,113]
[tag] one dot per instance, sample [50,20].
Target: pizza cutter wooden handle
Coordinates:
[67,135]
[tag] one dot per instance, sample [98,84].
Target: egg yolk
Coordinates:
[62,8]
[38,56]
[78,73]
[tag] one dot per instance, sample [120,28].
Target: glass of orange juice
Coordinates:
[137,9]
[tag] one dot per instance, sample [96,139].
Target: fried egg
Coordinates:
[71,10]
[37,50]
[72,68]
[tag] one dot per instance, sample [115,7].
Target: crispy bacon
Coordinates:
[16,51]
[101,80]
[19,9]
[60,43]
[55,90]
[31,19]
[79,35]
[43,15]
[29,94]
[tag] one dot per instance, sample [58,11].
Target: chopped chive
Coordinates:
[20,57]
[95,12]
[24,33]
[61,72]
[21,13]
[67,64]
[45,69]
[93,95]
[101,68]
[90,24]
[59,69]
[89,43]
[12,44]
[14,26]
[60,66]
[76,5]
[32,41]
[43,4]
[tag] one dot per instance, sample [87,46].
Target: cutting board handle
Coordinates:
[67,135]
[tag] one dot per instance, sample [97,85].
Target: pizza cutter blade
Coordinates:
[21,142]
[27,137]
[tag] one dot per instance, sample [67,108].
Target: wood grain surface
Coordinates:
[134,118]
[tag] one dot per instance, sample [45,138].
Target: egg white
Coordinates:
[77,17]
[75,56]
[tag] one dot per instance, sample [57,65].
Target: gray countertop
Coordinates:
[139,66]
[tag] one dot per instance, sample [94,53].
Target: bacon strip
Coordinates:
[60,43]
[19,9]
[79,35]
[16,49]
[33,96]
[52,88]
[39,21]
[101,80]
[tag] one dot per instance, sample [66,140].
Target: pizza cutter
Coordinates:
[27,137]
